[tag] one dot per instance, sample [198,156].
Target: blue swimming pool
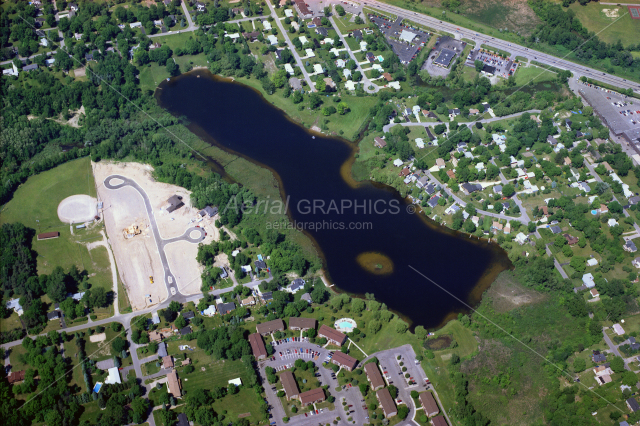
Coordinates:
[594,212]
[97,387]
[345,324]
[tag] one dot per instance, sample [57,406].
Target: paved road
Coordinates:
[514,49]
[484,120]
[169,278]
[292,48]
[191,26]
[366,83]
[613,348]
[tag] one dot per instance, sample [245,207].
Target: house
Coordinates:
[612,222]
[497,189]
[521,238]
[306,297]
[497,226]
[266,296]
[296,285]
[182,420]
[378,142]
[312,396]
[618,329]
[332,335]
[634,200]
[73,7]
[188,314]
[571,240]
[632,404]
[343,360]
[607,167]
[454,112]
[174,202]
[440,163]
[636,262]
[210,311]
[422,182]
[451,174]
[374,376]
[162,349]
[273,40]
[295,84]
[155,318]
[289,69]
[30,67]
[429,404]
[317,21]
[200,7]
[173,384]
[592,262]
[51,316]
[257,346]
[598,357]
[433,202]
[167,362]
[252,36]
[113,377]
[330,84]
[269,327]
[105,364]
[439,421]
[249,301]
[555,229]
[301,323]
[289,384]
[587,280]
[387,76]
[386,402]
[397,162]
[585,187]
[430,189]
[594,293]
[225,308]
[347,73]
[404,172]
[370,56]
[317,68]
[208,211]
[630,247]
[16,377]
[469,188]
[185,331]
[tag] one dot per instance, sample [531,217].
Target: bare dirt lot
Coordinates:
[137,258]
[507,294]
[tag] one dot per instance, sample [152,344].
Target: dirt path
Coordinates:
[112,261]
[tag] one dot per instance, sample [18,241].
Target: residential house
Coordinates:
[587,280]
[162,349]
[496,226]
[306,297]
[521,238]
[428,404]
[469,188]
[225,308]
[343,360]
[374,376]
[249,301]
[200,7]
[430,189]
[497,189]
[386,402]
[332,335]
[301,323]
[312,396]
[618,329]
[451,174]
[633,405]
[269,327]
[210,311]
[289,384]
[594,292]
[174,202]
[257,346]
[154,336]
[397,162]
[52,316]
[173,383]
[378,142]
[433,202]
[439,421]
[440,163]
[188,314]
[630,246]
[555,229]
[16,377]
[598,357]
[167,362]
[592,262]
[607,167]
[636,262]
[571,240]
[387,76]
[267,296]
[295,286]
[404,172]
[186,330]
[612,222]
[208,211]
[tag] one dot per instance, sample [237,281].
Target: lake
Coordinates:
[367,234]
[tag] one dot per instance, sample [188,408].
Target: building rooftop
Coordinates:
[301,322]
[311,396]
[374,375]
[332,334]
[344,360]
[289,384]
[257,345]
[270,326]
[386,402]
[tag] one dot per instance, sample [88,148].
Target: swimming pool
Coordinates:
[594,212]
[345,325]
[97,387]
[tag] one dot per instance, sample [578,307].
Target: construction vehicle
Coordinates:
[151,279]
[131,231]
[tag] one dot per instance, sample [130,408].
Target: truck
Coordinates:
[151,279]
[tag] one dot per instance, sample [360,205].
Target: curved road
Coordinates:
[169,278]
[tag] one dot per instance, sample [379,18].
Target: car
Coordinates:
[305,414]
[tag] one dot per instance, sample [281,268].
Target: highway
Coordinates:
[514,49]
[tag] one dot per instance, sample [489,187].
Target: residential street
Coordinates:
[613,348]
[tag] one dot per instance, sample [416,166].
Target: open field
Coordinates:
[598,18]
[533,74]
[217,373]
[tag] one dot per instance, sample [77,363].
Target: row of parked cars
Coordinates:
[289,340]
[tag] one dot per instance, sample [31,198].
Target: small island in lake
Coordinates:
[376,263]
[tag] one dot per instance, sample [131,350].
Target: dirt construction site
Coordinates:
[131,238]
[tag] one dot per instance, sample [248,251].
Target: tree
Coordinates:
[420,332]
[180,322]
[479,65]
[508,190]
[403,412]
[139,407]
[172,68]
[617,365]
[168,315]
[579,365]
[401,326]
[343,108]
[393,391]
[118,344]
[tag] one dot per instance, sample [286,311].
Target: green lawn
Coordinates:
[593,17]
[10,323]
[217,373]
[246,401]
[35,204]
[525,75]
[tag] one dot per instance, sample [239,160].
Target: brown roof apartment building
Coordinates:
[429,404]
[173,383]
[289,384]
[374,376]
[332,335]
[439,421]
[312,396]
[344,361]
[270,326]
[386,402]
[299,323]
[257,346]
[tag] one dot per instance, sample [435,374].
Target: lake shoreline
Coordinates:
[474,296]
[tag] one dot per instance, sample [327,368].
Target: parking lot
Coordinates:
[494,64]
[393,31]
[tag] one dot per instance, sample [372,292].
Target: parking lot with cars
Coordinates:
[494,64]
[392,30]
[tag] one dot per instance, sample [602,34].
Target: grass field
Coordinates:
[533,74]
[35,205]
[618,26]
[217,373]
[10,323]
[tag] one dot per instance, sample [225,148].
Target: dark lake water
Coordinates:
[238,119]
